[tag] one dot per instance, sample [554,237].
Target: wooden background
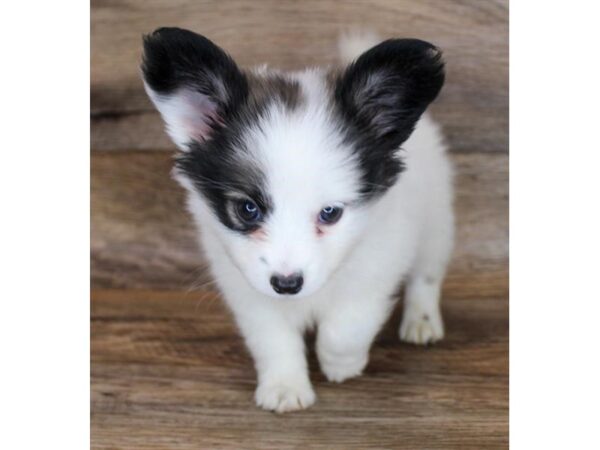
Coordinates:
[143,241]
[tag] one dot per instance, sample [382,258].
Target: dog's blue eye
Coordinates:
[249,212]
[330,214]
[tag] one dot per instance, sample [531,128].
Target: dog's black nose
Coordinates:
[287,285]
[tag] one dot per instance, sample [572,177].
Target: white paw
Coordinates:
[421,328]
[341,368]
[284,396]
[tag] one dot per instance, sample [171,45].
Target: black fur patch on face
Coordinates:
[220,166]
[379,99]
[221,172]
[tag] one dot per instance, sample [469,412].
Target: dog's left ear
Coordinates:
[194,84]
[385,91]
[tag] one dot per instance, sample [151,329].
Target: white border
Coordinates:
[555,225]
[44,242]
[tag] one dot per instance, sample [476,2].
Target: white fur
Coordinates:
[352,271]
[186,115]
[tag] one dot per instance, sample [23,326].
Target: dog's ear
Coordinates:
[384,92]
[194,84]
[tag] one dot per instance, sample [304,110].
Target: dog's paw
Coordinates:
[341,368]
[421,328]
[285,395]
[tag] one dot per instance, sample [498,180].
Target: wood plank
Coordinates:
[473,106]
[143,238]
[170,371]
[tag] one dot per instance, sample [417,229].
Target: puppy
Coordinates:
[316,193]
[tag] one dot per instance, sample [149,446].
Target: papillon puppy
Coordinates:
[315,193]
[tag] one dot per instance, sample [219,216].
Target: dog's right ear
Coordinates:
[194,84]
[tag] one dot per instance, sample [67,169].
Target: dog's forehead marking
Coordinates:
[298,145]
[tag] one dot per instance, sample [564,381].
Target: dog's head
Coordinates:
[288,166]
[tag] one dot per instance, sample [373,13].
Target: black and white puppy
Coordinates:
[316,192]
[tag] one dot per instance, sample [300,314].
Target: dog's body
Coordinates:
[309,213]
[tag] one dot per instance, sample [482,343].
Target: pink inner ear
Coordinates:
[197,112]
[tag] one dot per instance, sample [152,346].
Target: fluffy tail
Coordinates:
[353,43]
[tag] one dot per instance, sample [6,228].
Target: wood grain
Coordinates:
[143,238]
[170,371]
[473,106]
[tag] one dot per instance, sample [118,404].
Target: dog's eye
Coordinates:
[330,214]
[249,212]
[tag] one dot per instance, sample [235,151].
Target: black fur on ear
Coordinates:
[388,87]
[175,58]
[380,98]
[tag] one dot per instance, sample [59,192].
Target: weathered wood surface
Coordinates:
[143,238]
[170,371]
[473,106]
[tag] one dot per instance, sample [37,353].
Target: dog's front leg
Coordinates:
[278,351]
[346,334]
